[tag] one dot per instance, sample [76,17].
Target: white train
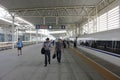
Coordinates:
[105,45]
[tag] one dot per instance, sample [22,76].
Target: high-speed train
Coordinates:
[107,40]
[105,44]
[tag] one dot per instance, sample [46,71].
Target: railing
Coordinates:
[8,45]
[5,45]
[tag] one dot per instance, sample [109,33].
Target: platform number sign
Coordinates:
[62,26]
[37,27]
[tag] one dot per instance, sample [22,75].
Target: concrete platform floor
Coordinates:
[30,66]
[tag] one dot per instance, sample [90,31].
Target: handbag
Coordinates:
[54,55]
[43,50]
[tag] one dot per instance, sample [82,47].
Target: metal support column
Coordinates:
[76,30]
[30,35]
[5,33]
[87,20]
[56,20]
[36,36]
[44,23]
[79,30]
[88,26]
[119,17]
[25,35]
[44,20]
[17,33]
[96,19]
[13,17]
[41,37]
[73,33]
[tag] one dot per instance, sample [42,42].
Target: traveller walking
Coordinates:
[58,49]
[47,46]
[19,46]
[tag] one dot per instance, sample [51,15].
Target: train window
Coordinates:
[111,46]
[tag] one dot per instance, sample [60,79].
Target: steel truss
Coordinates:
[104,3]
[54,11]
[62,11]
[84,12]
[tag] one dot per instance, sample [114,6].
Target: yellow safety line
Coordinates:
[108,75]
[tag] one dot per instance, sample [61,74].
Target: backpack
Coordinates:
[43,50]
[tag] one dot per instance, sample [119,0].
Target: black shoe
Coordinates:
[45,65]
[59,61]
[49,62]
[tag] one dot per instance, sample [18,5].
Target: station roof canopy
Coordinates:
[4,22]
[17,4]
[54,11]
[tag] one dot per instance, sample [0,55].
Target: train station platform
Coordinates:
[30,66]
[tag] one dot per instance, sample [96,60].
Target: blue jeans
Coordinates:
[58,55]
[47,56]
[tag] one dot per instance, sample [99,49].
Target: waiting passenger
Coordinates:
[75,43]
[19,46]
[64,43]
[68,43]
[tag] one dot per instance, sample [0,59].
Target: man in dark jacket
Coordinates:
[58,49]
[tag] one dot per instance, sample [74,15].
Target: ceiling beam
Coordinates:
[56,11]
[48,8]
[59,16]
[104,3]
